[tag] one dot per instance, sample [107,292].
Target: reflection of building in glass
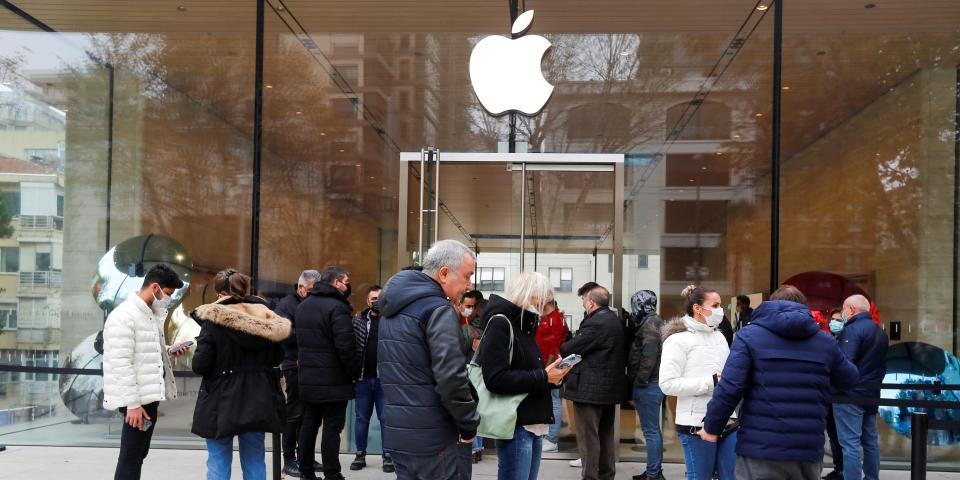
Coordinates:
[916,363]
[31,279]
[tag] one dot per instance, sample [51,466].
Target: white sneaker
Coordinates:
[578,463]
[549,447]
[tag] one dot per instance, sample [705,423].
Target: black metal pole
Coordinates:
[775,141]
[919,424]
[512,137]
[110,96]
[257,147]
[255,213]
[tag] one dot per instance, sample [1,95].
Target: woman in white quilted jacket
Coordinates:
[694,353]
[137,375]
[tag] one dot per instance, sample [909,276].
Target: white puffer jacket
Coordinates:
[136,366]
[692,353]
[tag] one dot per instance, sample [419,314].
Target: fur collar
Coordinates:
[683,324]
[252,318]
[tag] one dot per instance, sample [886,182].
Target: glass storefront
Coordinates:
[148,128]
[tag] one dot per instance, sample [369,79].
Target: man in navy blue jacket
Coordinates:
[783,367]
[865,344]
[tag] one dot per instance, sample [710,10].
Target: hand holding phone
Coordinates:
[180,348]
[569,361]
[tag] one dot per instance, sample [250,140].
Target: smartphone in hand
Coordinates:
[569,361]
[181,347]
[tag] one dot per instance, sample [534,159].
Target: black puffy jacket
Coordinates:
[328,361]
[600,378]
[526,373]
[428,402]
[287,308]
[237,351]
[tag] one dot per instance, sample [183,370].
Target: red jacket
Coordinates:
[550,334]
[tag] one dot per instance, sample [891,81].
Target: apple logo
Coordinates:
[506,72]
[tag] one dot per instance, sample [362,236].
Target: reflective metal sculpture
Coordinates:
[922,364]
[120,272]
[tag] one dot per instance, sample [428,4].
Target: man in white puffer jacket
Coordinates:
[137,374]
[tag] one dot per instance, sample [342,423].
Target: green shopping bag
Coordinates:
[498,413]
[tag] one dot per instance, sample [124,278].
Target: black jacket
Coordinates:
[526,373]
[643,361]
[865,344]
[328,360]
[600,378]
[427,395]
[287,308]
[237,351]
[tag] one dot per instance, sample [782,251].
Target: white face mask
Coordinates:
[715,317]
[467,312]
[162,304]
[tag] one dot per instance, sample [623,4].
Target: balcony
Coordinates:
[32,225]
[40,281]
[46,336]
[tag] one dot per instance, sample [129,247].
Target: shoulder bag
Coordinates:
[498,413]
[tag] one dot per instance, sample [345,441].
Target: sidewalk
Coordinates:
[23,463]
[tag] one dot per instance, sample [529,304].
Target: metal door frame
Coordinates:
[520,161]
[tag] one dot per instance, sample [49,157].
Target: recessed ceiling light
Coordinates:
[299,112]
[182,8]
[691,181]
[703,168]
[870,5]
[356,164]
[269,86]
[323,134]
[786,87]
[762,7]
[373,178]
[758,114]
[736,137]
[719,153]
[342,150]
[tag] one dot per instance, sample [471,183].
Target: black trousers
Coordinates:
[596,440]
[134,445]
[332,416]
[293,411]
[835,450]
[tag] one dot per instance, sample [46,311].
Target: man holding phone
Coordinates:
[137,373]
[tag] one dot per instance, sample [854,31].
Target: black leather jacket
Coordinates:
[423,371]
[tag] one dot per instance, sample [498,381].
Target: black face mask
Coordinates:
[348,291]
[375,307]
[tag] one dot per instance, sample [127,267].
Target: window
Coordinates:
[643,261]
[562,279]
[707,121]
[43,262]
[40,358]
[59,205]
[491,279]
[11,200]
[9,259]
[8,316]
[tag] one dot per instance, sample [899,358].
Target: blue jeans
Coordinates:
[369,394]
[554,433]
[252,457]
[858,429]
[477,443]
[702,457]
[648,401]
[519,459]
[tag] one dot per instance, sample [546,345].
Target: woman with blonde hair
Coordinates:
[694,352]
[511,322]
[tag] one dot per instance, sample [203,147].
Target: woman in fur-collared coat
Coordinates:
[237,351]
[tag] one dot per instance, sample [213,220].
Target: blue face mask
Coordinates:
[836,326]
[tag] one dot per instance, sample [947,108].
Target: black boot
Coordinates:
[291,468]
[388,466]
[360,462]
